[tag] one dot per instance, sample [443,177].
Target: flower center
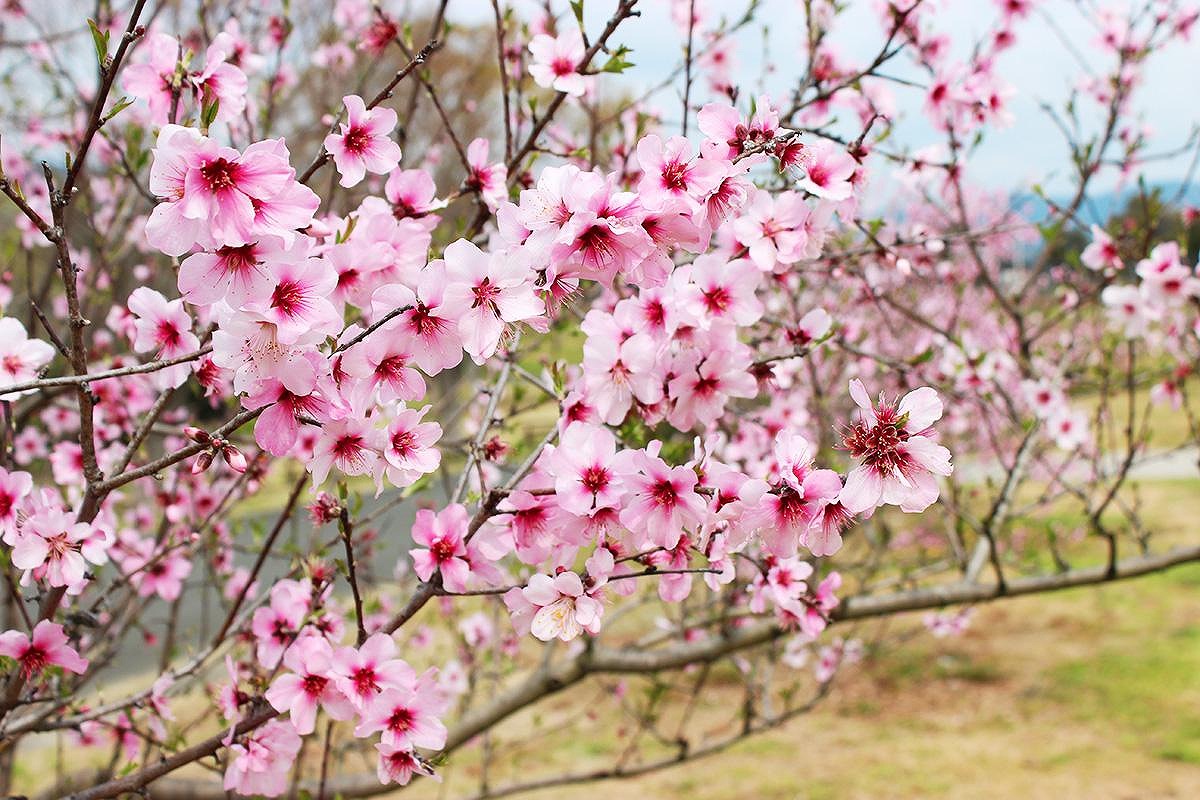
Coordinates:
[595,478]
[717,299]
[674,176]
[404,443]
[219,175]
[878,445]
[443,550]
[314,685]
[663,493]
[288,297]
[357,139]
[562,66]
[485,294]
[34,661]
[401,720]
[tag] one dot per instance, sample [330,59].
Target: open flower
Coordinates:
[900,461]
[259,764]
[445,551]
[364,144]
[556,62]
[47,647]
[57,548]
[559,606]
[309,683]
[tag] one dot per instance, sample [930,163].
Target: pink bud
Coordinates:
[196,434]
[234,458]
[202,462]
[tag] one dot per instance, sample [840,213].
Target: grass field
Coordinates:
[1091,693]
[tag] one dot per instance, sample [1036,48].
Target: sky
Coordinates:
[1040,68]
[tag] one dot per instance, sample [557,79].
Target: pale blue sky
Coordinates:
[1039,67]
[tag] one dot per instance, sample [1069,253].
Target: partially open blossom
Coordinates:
[47,647]
[21,358]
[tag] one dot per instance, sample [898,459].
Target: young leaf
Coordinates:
[100,42]
[617,63]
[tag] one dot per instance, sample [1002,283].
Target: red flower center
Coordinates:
[357,139]
[663,493]
[219,175]
[595,478]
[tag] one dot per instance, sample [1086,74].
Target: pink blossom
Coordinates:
[561,608]
[47,647]
[277,428]
[583,468]
[215,196]
[353,445]
[444,552]
[21,358]
[794,511]
[364,144]
[407,717]
[398,765]
[165,329]
[409,446]
[383,363]
[900,461]
[492,291]
[729,134]
[1102,252]
[363,673]
[224,82]
[14,488]
[260,763]
[1069,429]
[157,573]
[57,548]
[556,62]
[151,79]
[298,304]
[722,290]
[308,684]
[412,194]
[828,170]
[237,275]
[618,372]
[671,175]
[663,499]
[431,322]
[256,354]
[489,180]
[276,625]
[1129,307]
[772,229]
[704,385]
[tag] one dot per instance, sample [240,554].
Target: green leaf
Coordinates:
[617,63]
[577,10]
[208,113]
[100,41]
[121,105]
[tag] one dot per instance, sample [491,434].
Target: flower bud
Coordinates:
[202,462]
[234,458]
[196,434]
